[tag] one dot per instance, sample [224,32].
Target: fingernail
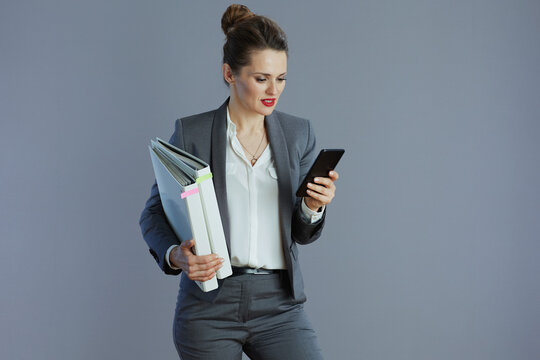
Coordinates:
[316,179]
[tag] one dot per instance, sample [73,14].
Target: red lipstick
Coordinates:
[268,102]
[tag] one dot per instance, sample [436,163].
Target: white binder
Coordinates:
[189,171]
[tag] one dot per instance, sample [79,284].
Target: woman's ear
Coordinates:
[227,74]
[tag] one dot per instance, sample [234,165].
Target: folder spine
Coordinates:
[214,224]
[199,231]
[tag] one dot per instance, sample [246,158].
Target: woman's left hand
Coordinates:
[322,192]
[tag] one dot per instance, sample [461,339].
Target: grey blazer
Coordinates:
[204,135]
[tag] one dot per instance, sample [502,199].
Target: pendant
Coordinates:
[253,161]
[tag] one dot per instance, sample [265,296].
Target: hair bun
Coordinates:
[234,14]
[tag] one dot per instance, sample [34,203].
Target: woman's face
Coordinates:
[257,86]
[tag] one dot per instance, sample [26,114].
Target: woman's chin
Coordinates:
[266,110]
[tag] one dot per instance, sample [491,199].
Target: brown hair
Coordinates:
[247,32]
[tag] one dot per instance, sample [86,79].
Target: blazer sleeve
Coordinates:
[302,231]
[155,228]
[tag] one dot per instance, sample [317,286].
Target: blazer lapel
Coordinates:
[218,163]
[280,152]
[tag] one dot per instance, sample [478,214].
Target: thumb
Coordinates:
[187,245]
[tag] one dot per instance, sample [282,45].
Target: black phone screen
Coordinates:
[325,162]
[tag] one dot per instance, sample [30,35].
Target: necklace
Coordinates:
[254,158]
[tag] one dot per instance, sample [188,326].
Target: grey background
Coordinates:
[431,246]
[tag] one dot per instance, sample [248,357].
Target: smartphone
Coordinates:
[325,162]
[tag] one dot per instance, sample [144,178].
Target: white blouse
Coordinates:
[252,200]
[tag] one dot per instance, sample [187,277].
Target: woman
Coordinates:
[258,157]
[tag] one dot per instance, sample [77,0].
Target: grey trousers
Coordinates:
[252,313]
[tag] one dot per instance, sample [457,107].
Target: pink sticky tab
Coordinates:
[190,192]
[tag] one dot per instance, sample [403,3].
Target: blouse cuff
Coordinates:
[167,257]
[309,215]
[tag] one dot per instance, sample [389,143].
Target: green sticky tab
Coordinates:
[204,177]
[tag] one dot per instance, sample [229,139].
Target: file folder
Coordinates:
[185,182]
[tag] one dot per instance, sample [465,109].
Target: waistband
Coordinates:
[260,271]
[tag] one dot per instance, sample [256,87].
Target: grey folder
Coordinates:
[185,182]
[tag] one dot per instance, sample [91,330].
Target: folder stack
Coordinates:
[189,201]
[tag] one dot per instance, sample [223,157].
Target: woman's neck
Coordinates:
[246,123]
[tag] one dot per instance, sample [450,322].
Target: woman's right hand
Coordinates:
[199,268]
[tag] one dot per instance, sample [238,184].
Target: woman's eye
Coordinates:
[261,79]
[282,79]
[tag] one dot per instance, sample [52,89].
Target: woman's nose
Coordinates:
[272,88]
